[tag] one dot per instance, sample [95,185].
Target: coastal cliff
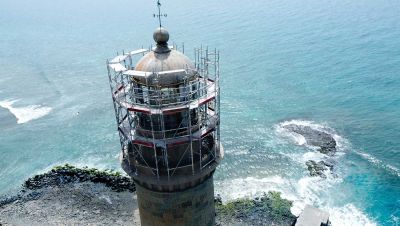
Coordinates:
[70,195]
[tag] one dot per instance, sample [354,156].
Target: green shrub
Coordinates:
[278,207]
[269,206]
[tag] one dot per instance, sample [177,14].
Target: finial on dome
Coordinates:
[161,37]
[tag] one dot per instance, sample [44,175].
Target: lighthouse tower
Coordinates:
[167,111]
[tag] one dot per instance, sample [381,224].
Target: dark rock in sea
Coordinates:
[318,168]
[323,140]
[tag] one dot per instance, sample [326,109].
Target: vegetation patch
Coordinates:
[269,209]
[69,174]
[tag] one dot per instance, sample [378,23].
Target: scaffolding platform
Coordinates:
[168,120]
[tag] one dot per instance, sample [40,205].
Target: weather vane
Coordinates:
[159,15]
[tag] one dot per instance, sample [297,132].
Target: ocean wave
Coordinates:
[302,158]
[250,187]
[349,215]
[306,191]
[378,163]
[25,114]
[310,190]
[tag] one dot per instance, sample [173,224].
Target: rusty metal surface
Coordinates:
[158,62]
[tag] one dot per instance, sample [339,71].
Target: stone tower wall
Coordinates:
[191,207]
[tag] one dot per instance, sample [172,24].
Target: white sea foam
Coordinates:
[25,114]
[249,187]
[392,169]
[311,190]
[295,137]
[307,190]
[349,215]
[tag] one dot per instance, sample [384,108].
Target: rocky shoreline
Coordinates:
[324,143]
[84,196]
[69,174]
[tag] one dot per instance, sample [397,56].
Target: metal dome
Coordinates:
[158,62]
[178,66]
[164,59]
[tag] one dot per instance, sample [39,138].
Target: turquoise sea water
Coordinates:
[333,65]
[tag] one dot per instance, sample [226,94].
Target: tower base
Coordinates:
[191,207]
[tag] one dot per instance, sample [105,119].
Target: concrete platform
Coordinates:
[312,216]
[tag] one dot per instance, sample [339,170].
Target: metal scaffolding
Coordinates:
[168,131]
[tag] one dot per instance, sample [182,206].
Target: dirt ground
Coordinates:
[72,204]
